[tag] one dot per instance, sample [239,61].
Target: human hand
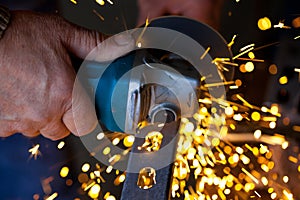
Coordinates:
[37,76]
[206,11]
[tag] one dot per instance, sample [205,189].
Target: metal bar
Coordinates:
[161,190]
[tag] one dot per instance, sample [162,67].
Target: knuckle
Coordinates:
[54,131]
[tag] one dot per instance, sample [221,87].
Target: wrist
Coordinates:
[4,19]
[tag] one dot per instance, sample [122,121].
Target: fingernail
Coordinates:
[123,39]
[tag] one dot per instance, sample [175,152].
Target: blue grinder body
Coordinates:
[103,80]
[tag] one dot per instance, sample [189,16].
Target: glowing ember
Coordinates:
[152,142]
[94,191]
[61,144]
[264,23]
[100,2]
[281,25]
[146,178]
[73,1]
[35,152]
[52,197]
[98,14]
[64,172]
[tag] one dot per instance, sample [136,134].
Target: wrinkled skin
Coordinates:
[37,76]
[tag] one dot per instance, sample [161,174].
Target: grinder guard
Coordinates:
[123,100]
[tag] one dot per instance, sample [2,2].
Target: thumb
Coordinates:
[81,117]
[82,42]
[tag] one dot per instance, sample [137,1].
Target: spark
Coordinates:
[250,175]
[272,125]
[230,63]
[218,84]
[114,159]
[152,142]
[216,60]
[138,41]
[100,136]
[249,46]
[244,101]
[98,14]
[232,41]
[205,101]
[264,181]
[109,169]
[64,172]
[116,141]
[146,178]
[285,145]
[61,144]
[73,1]
[94,191]
[296,128]
[269,119]
[265,46]
[100,2]
[283,80]
[273,69]
[220,62]
[251,55]
[35,152]
[250,59]
[281,25]
[109,1]
[264,23]
[205,53]
[90,185]
[53,196]
[160,125]
[288,195]
[293,159]
[242,53]
[297,37]
[273,195]
[232,87]
[249,66]
[110,197]
[298,70]
[128,140]
[85,167]
[255,116]
[257,134]
[271,111]
[285,179]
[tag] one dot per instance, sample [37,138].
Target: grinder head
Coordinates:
[156,85]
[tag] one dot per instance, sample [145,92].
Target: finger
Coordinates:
[81,117]
[81,42]
[55,130]
[112,48]
[30,134]
[8,128]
